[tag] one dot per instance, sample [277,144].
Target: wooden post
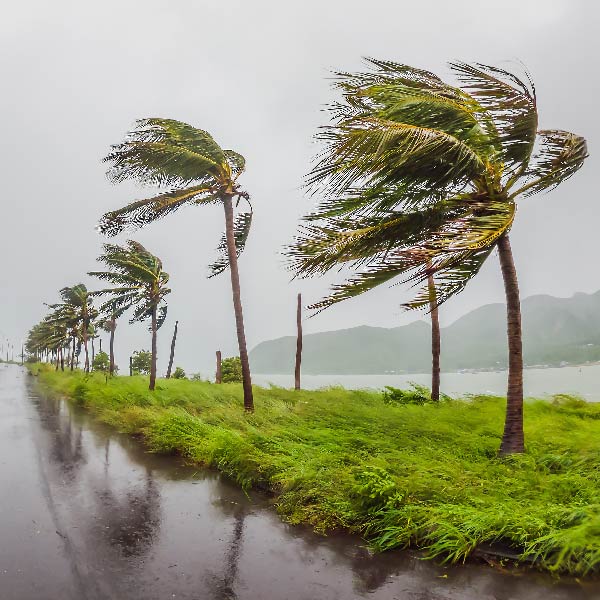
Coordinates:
[219,374]
[298,343]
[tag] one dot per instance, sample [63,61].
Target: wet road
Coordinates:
[86,514]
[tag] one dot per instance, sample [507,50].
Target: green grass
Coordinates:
[425,476]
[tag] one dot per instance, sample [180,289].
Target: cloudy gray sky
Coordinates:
[75,76]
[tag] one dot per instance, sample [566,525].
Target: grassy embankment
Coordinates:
[425,476]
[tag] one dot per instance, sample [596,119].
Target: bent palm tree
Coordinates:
[421,178]
[170,153]
[140,283]
[77,311]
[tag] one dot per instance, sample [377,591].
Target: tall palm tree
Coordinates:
[172,154]
[139,283]
[420,178]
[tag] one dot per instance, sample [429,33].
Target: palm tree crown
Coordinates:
[420,177]
[169,153]
[138,279]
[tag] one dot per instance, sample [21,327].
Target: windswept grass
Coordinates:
[401,475]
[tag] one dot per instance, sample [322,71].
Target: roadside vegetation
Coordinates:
[398,469]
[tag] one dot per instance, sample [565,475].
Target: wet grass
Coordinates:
[425,476]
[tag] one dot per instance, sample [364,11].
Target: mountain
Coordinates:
[555,331]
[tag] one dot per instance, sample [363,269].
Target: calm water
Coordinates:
[87,514]
[583,381]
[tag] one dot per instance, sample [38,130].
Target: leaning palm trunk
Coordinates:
[237,303]
[73,355]
[111,345]
[153,365]
[86,366]
[435,340]
[298,366]
[172,355]
[513,438]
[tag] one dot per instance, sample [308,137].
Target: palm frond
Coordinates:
[241,231]
[166,152]
[560,155]
[143,212]
[237,163]
[371,152]
[451,243]
[511,103]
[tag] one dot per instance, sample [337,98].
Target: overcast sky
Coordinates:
[76,75]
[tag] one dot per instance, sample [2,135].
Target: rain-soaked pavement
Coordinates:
[86,514]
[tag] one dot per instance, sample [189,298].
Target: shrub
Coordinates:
[141,362]
[179,373]
[231,370]
[101,362]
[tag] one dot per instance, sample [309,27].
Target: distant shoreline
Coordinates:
[455,372]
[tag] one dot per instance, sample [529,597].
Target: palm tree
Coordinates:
[140,283]
[76,311]
[45,337]
[109,324]
[421,178]
[170,153]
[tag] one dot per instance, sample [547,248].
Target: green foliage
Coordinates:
[197,377]
[418,394]
[101,362]
[413,475]
[179,373]
[231,370]
[138,281]
[419,177]
[141,362]
[169,153]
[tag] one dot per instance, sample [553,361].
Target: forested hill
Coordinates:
[555,330]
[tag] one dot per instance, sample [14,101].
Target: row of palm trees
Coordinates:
[138,283]
[418,180]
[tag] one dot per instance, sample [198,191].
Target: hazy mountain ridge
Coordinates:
[555,330]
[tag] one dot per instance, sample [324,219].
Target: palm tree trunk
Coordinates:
[153,364]
[93,353]
[73,355]
[435,340]
[57,360]
[237,303]
[298,343]
[172,355]
[62,359]
[513,439]
[111,346]
[219,373]
[86,366]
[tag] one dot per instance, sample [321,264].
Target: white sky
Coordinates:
[255,74]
